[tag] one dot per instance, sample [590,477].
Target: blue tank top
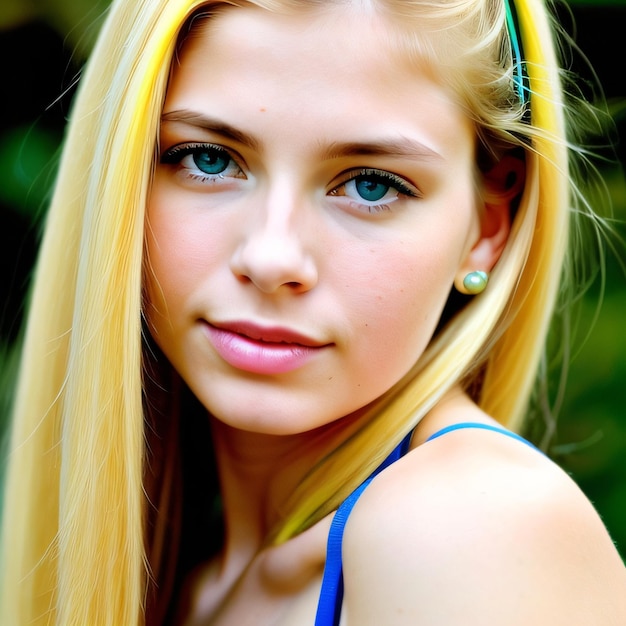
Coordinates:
[331,594]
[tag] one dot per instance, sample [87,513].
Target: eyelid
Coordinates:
[181,160]
[405,187]
[175,153]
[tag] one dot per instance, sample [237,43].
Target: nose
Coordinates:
[273,253]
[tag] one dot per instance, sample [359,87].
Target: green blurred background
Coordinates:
[43,44]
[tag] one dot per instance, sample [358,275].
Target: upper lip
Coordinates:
[269,334]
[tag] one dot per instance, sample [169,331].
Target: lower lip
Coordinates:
[258,357]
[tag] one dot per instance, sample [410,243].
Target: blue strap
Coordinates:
[496,429]
[331,594]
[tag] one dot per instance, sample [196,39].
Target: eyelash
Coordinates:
[386,180]
[177,154]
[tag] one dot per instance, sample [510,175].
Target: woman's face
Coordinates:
[314,199]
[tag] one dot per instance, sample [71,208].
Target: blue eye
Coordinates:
[370,189]
[211,160]
[374,190]
[203,162]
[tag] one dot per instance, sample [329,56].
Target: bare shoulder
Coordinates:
[478,528]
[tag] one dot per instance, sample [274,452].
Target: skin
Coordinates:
[278,242]
[275,234]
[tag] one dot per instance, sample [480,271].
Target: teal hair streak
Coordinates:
[520,77]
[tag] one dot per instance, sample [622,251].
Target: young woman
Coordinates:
[296,277]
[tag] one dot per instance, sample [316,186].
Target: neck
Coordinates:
[259,472]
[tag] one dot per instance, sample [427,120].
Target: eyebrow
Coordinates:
[210,124]
[401,147]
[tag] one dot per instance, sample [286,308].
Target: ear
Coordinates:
[501,186]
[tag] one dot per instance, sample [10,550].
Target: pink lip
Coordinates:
[259,350]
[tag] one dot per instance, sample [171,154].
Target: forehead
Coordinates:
[331,33]
[338,67]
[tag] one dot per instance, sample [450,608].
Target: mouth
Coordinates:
[262,350]
[270,335]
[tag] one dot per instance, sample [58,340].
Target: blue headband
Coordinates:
[520,78]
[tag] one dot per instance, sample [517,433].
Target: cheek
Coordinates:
[406,279]
[178,252]
[397,302]
[163,264]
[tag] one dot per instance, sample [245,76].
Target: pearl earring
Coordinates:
[474,283]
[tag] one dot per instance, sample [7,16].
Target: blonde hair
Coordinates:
[74,526]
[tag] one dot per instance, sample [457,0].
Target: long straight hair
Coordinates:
[75,513]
